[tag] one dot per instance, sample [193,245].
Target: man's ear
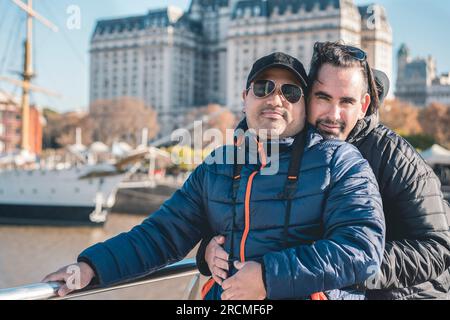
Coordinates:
[244,95]
[365,106]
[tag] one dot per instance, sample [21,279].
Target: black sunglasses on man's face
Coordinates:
[264,88]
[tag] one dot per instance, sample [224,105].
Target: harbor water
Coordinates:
[28,253]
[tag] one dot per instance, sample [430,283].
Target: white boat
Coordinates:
[75,196]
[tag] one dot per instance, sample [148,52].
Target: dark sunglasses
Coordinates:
[264,88]
[356,53]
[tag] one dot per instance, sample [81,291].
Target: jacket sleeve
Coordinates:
[353,238]
[164,237]
[202,265]
[417,217]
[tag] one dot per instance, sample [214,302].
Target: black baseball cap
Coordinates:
[279,60]
[382,82]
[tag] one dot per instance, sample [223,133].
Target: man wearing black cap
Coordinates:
[416,259]
[283,122]
[314,225]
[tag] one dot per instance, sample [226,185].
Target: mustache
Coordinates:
[330,122]
[283,111]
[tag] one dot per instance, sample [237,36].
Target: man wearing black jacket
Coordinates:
[417,254]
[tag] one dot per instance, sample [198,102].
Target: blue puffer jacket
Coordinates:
[335,231]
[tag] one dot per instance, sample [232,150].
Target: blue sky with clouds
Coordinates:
[62,59]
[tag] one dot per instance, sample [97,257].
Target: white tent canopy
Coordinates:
[99,147]
[436,155]
[121,149]
[74,148]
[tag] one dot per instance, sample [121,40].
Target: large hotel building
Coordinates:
[175,60]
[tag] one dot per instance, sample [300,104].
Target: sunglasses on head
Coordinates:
[356,53]
[264,88]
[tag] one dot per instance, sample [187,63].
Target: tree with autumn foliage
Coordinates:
[422,127]
[435,120]
[219,117]
[401,117]
[108,121]
[121,119]
[59,130]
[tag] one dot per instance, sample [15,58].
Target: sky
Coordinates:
[62,58]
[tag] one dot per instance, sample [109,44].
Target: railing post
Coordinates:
[192,288]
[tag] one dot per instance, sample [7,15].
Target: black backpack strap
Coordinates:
[237,168]
[293,177]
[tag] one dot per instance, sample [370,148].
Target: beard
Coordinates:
[330,134]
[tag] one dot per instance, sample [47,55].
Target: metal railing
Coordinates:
[44,291]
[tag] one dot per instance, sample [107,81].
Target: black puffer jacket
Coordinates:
[417,255]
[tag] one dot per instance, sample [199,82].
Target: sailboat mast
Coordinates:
[27,76]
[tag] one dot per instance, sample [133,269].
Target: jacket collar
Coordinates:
[313,136]
[363,128]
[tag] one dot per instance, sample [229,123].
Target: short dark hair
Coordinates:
[340,55]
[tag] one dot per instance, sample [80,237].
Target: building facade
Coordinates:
[11,127]
[414,77]
[418,82]
[376,39]
[177,60]
[439,91]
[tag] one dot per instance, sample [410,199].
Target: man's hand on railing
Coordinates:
[217,259]
[74,277]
